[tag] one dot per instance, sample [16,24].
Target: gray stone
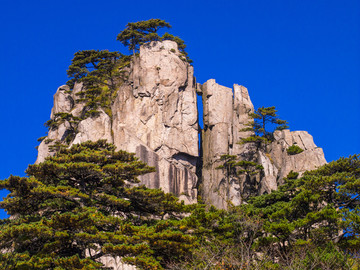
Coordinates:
[93,129]
[311,158]
[63,102]
[225,114]
[155,116]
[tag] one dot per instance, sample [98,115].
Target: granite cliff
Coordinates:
[155,115]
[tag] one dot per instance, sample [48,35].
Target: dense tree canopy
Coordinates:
[80,205]
[311,222]
[318,209]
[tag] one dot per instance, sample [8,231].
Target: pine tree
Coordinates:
[262,117]
[82,204]
[318,209]
[138,33]
[101,73]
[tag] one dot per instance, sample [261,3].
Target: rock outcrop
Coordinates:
[225,114]
[311,158]
[155,115]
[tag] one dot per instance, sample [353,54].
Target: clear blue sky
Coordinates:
[302,56]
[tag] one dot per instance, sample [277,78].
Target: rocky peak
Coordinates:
[154,114]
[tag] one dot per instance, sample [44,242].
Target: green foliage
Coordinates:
[101,73]
[294,149]
[262,117]
[319,208]
[311,222]
[232,166]
[80,205]
[327,257]
[41,138]
[138,33]
[225,240]
[60,118]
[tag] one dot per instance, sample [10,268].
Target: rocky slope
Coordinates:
[155,115]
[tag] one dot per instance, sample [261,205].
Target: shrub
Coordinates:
[294,149]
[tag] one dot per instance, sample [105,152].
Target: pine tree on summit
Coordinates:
[137,33]
[80,205]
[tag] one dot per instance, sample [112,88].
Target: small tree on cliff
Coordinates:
[137,33]
[101,73]
[80,205]
[262,117]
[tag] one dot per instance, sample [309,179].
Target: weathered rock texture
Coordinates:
[225,115]
[311,158]
[155,115]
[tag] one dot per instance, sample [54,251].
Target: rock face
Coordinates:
[63,103]
[225,114]
[311,158]
[155,115]
[93,129]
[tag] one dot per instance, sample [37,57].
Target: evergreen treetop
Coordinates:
[137,33]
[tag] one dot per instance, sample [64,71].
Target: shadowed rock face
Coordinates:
[155,116]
